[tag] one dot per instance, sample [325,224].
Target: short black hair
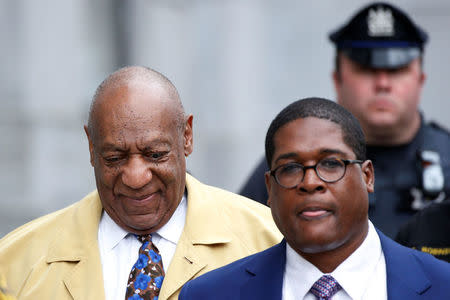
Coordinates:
[323,109]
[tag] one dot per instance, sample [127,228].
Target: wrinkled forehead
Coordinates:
[136,107]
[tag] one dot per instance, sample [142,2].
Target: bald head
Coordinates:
[139,138]
[132,76]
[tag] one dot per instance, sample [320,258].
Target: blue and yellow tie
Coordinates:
[147,274]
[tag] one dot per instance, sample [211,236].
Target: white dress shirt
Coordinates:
[119,249]
[362,275]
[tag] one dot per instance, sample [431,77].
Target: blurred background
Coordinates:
[236,64]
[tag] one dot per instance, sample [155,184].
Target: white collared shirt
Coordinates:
[362,275]
[119,249]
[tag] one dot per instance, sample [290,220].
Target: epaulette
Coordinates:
[439,127]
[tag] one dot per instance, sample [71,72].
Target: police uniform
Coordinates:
[407,177]
[411,176]
[428,231]
[399,175]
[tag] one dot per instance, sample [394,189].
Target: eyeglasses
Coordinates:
[329,170]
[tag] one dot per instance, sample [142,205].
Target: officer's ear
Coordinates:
[336,75]
[336,78]
[422,78]
[337,85]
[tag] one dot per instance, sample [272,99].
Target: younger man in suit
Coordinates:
[318,185]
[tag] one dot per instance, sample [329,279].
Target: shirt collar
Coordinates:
[295,265]
[362,263]
[112,234]
[172,230]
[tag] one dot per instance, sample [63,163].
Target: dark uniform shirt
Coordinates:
[396,172]
[429,231]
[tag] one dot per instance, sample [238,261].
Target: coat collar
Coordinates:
[76,243]
[202,227]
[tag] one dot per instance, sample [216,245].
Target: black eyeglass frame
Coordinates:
[304,168]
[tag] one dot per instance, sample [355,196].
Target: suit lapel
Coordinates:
[404,275]
[76,244]
[266,271]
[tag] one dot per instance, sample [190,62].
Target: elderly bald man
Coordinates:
[149,227]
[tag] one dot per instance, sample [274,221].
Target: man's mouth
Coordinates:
[382,104]
[140,199]
[314,213]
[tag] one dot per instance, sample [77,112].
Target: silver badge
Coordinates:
[380,22]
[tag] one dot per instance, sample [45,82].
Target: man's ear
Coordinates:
[188,136]
[368,175]
[336,82]
[422,79]
[91,145]
[268,186]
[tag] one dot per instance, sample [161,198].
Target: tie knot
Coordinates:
[144,238]
[325,287]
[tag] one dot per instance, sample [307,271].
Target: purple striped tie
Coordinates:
[325,287]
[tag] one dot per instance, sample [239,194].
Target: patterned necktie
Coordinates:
[147,274]
[325,287]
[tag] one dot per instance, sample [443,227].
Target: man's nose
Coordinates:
[136,173]
[382,80]
[311,182]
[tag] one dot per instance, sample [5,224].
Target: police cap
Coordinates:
[380,36]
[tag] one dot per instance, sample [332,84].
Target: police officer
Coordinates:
[428,231]
[379,76]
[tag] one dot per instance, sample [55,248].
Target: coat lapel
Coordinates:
[404,275]
[266,271]
[202,228]
[184,266]
[76,244]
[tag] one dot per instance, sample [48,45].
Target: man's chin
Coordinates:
[315,245]
[382,123]
[143,224]
[319,247]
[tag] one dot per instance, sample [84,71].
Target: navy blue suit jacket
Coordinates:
[410,275]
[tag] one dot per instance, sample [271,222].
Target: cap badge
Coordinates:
[380,22]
